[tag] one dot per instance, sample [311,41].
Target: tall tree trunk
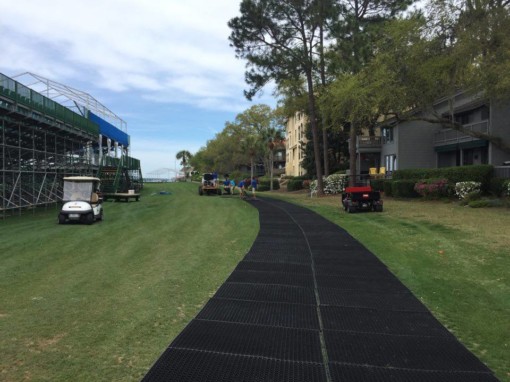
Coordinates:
[315,133]
[271,176]
[323,82]
[352,154]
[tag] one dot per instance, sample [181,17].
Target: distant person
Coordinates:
[226,186]
[241,189]
[254,183]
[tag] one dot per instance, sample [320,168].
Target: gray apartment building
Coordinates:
[420,144]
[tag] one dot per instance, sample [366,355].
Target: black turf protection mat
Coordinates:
[404,301]
[274,267]
[277,278]
[381,321]
[354,373]
[277,257]
[275,314]
[262,324]
[408,352]
[356,270]
[181,365]
[288,344]
[380,284]
[268,293]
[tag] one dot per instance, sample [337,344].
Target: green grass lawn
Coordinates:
[455,259]
[102,302]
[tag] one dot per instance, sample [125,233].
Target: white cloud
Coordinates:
[128,45]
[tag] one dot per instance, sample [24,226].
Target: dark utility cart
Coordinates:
[361,199]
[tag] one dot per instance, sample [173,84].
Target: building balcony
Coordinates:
[446,137]
[368,144]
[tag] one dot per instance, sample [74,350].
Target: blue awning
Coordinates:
[110,131]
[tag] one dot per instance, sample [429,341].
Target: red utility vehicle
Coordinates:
[361,199]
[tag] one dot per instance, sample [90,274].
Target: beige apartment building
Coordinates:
[295,131]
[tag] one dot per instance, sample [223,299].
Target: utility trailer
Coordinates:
[209,185]
[363,198]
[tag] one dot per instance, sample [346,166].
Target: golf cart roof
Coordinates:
[82,179]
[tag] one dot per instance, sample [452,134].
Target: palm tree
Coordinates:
[184,156]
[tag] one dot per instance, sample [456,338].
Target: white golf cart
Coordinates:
[82,201]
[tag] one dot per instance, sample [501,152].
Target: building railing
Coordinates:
[451,136]
[368,142]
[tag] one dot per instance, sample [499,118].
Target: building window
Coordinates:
[387,134]
[390,162]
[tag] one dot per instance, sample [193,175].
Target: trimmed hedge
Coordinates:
[388,187]
[477,173]
[294,184]
[404,188]
[377,184]
[264,185]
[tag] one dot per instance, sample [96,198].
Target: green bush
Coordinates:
[497,186]
[294,185]
[477,173]
[484,203]
[388,187]
[377,184]
[264,185]
[470,197]
[302,177]
[404,189]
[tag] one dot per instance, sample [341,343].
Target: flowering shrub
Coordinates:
[462,189]
[333,184]
[506,188]
[433,188]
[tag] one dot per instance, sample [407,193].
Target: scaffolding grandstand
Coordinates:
[42,140]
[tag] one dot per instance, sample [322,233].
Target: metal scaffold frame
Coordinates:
[40,143]
[74,99]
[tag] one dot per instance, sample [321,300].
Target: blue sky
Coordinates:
[163,66]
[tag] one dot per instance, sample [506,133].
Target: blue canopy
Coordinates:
[110,131]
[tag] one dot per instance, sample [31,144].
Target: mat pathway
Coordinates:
[310,303]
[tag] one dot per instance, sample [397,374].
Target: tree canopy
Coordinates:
[242,142]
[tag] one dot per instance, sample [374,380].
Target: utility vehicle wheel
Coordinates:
[61,219]
[200,191]
[100,218]
[89,218]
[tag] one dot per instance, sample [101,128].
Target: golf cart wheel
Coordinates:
[61,219]
[100,217]
[89,218]
[200,191]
